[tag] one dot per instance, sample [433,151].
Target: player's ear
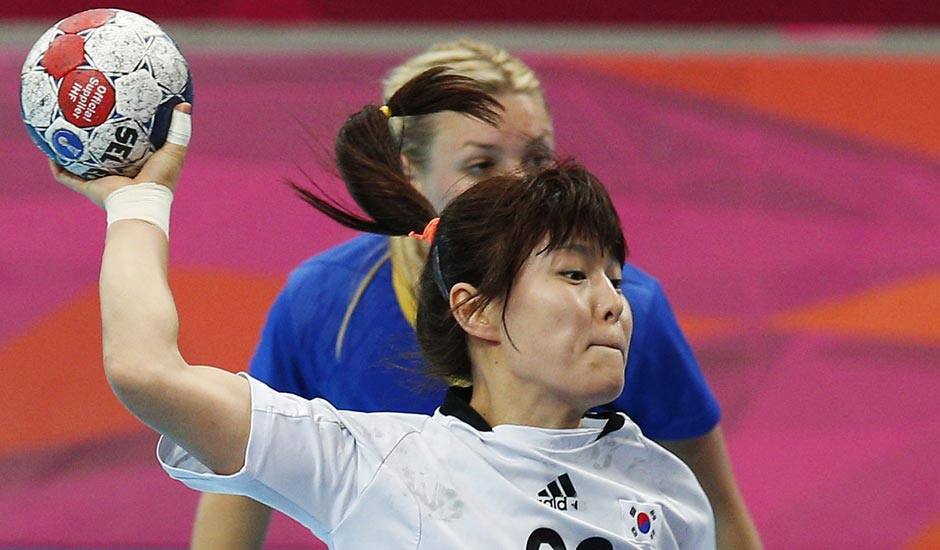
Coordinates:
[474,320]
[408,168]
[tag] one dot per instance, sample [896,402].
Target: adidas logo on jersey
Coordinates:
[560,494]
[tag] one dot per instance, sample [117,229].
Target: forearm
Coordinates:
[229,522]
[140,324]
[205,410]
[139,319]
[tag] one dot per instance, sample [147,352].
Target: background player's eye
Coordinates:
[480,167]
[538,161]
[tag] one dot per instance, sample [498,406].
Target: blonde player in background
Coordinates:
[506,460]
[348,313]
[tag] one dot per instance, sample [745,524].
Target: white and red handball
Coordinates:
[98,89]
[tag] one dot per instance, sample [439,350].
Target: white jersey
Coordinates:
[392,480]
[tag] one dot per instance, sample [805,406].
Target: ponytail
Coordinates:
[369,156]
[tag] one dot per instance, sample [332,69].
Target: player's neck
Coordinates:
[507,401]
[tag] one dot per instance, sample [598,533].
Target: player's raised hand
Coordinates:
[163,167]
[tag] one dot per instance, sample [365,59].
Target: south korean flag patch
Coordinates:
[642,520]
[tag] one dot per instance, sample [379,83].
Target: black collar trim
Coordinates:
[615,421]
[457,404]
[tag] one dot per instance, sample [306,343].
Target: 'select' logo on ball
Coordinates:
[122,146]
[67,144]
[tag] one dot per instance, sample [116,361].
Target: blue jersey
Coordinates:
[336,331]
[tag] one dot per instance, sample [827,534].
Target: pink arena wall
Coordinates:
[788,204]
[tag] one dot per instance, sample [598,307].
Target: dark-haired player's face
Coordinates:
[465,151]
[571,326]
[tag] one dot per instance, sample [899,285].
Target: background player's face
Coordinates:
[570,325]
[464,151]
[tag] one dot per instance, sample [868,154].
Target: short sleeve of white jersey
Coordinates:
[304,458]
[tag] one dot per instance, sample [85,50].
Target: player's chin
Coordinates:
[607,380]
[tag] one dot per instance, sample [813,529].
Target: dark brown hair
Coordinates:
[485,234]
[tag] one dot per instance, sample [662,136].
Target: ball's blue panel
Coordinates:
[33,134]
[161,120]
[40,142]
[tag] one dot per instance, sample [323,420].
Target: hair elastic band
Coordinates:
[437,274]
[429,231]
[386,110]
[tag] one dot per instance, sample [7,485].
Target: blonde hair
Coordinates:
[494,67]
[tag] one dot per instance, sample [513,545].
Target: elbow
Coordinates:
[121,372]
[135,374]
[127,377]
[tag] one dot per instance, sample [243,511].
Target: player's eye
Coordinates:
[617,283]
[574,275]
[480,167]
[538,160]
[538,155]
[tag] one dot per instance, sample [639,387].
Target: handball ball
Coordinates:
[98,89]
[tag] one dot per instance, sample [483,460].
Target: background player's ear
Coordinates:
[407,167]
[475,321]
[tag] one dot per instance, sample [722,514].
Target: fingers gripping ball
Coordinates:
[98,89]
[150,200]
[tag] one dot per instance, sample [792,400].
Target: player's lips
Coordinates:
[617,345]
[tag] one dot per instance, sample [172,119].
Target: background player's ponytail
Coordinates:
[369,156]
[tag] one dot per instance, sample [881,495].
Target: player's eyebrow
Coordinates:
[538,144]
[487,146]
[587,252]
[579,249]
[541,138]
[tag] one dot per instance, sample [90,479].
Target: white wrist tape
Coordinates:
[144,201]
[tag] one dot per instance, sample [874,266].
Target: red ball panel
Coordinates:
[86,98]
[64,54]
[85,20]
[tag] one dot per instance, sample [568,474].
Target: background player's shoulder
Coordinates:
[343,264]
[633,275]
[353,256]
[324,283]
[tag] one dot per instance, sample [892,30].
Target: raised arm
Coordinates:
[204,409]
